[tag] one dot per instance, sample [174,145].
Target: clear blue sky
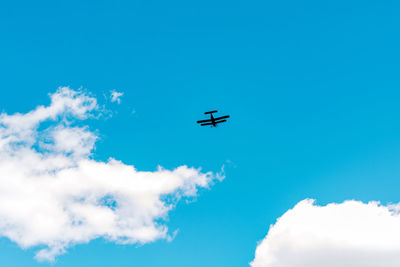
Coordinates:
[312,88]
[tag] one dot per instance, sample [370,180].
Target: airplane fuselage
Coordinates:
[213,121]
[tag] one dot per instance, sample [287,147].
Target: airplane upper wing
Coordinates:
[223,117]
[203,121]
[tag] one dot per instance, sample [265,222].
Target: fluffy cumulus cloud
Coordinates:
[349,234]
[54,195]
[116,96]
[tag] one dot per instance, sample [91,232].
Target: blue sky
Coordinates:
[312,88]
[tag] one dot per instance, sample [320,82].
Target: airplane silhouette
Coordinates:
[213,121]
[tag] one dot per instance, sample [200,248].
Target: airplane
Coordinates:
[213,121]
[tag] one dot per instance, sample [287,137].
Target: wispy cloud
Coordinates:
[350,234]
[116,96]
[53,194]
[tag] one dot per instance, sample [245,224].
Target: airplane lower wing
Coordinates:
[204,124]
[220,121]
[203,121]
[223,117]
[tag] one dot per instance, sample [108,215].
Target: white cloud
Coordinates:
[53,195]
[350,234]
[116,96]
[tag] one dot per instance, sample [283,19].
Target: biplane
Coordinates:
[213,121]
